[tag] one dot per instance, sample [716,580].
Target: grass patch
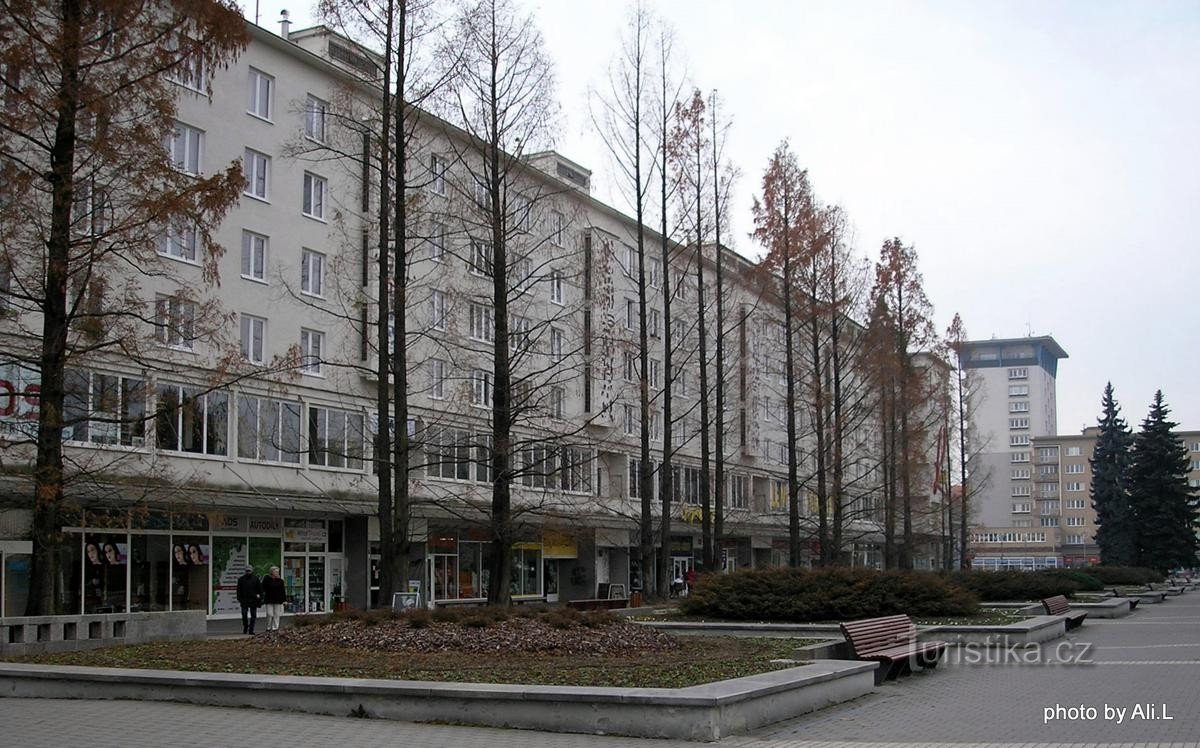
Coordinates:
[697,660]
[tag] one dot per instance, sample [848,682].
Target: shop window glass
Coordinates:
[230,556]
[16,583]
[150,571]
[189,572]
[293,583]
[527,563]
[264,553]
[470,570]
[335,536]
[105,559]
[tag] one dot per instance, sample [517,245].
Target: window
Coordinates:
[187,419]
[635,479]
[180,243]
[1049,521]
[1074,451]
[483,195]
[103,409]
[312,273]
[1018,440]
[1194,447]
[184,147]
[254,256]
[631,420]
[1018,390]
[518,333]
[1018,406]
[1049,489]
[482,323]
[437,242]
[522,211]
[1195,465]
[314,196]
[1018,423]
[437,304]
[556,228]
[314,118]
[558,403]
[254,331]
[1075,503]
[631,367]
[189,70]
[655,373]
[437,174]
[1074,469]
[631,314]
[1047,453]
[556,286]
[739,492]
[268,429]
[335,438]
[1075,522]
[1021,490]
[680,385]
[1020,474]
[557,345]
[654,278]
[481,258]
[312,344]
[1022,507]
[257,166]
[1048,470]
[437,379]
[175,321]
[261,86]
[481,388]
[1075,540]
[654,322]
[1021,373]
[631,261]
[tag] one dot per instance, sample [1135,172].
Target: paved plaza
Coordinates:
[1151,658]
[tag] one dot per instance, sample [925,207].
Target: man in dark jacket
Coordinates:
[249,595]
[274,596]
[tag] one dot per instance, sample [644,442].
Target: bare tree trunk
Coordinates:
[718,533]
[389,574]
[48,465]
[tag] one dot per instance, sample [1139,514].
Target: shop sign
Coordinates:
[264,525]
[225,523]
[681,545]
[20,400]
[443,541]
[556,544]
[305,535]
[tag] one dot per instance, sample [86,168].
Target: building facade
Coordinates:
[1013,404]
[197,467]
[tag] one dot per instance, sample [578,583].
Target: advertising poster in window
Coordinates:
[229,559]
[265,553]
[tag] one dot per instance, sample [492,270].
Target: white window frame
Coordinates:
[315,113]
[556,228]
[258,172]
[182,244]
[255,248]
[437,174]
[254,338]
[261,90]
[481,388]
[556,287]
[312,273]
[482,259]
[316,191]
[175,322]
[437,379]
[312,351]
[186,148]
[437,243]
[482,323]
[558,345]
[437,304]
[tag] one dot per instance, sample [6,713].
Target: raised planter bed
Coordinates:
[33,635]
[607,603]
[746,628]
[706,712]
[1112,607]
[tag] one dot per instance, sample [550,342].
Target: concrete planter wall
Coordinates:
[33,635]
[706,712]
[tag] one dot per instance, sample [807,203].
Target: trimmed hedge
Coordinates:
[1125,574]
[800,595]
[995,586]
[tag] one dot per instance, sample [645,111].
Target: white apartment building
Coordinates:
[1014,405]
[275,468]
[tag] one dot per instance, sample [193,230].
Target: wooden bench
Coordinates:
[1058,606]
[892,642]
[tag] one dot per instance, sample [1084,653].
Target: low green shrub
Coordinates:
[825,595]
[994,586]
[1124,574]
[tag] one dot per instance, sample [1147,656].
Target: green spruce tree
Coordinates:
[1115,533]
[1164,507]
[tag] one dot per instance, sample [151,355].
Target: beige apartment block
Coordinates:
[274,467]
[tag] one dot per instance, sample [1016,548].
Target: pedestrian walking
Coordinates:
[274,596]
[249,596]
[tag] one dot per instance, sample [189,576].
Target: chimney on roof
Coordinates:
[285,24]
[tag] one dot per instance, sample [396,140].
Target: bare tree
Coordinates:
[502,98]
[89,89]
[780,217]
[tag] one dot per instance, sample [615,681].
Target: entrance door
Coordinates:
[550,579]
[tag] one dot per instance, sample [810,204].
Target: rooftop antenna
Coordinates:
[255,12]
[1028,330]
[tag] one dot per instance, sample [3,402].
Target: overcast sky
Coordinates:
[1043,157]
